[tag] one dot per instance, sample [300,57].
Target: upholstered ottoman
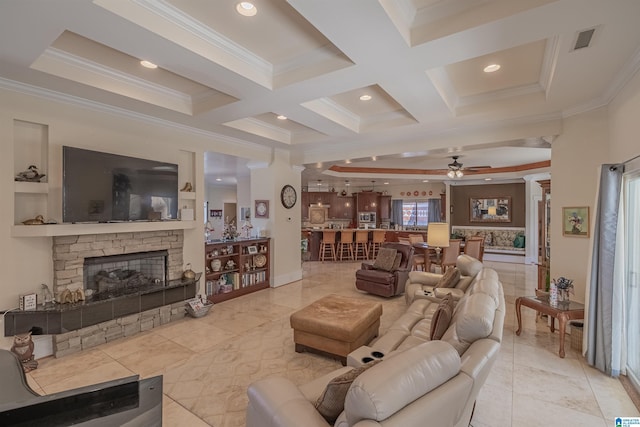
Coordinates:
[335,325]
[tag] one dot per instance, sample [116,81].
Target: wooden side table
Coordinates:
[564,312]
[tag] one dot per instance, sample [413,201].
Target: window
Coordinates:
[632,228]
[415,213]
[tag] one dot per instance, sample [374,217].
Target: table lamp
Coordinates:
[438,237]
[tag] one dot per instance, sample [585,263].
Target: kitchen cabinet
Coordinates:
[367,201]
[384,208]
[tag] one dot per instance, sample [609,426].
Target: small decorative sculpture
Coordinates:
[38,220]
[30,175]
[66,297]
[187,187]
[246,227]
[47,296]
[230,265]
[23,348]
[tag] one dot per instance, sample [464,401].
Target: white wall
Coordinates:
[577,154]
[283,224]
[624,124]
[27,262]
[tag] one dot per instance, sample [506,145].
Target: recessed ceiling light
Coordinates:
[425,180]
[491,68]
[281,117]
[218,179]
[347,183]
[488,179]
[386,183]
[374,158]
[348,161]
[365,97]
[319,182]
[148,64]
[246,8]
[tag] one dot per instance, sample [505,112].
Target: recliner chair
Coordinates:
[386,283]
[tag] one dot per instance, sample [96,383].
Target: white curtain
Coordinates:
[604,311]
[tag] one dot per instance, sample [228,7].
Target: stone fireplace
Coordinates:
[71,253]
[134,282]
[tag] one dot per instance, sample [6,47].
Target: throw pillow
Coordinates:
[396,261]
[488,239]
[518,242]
[330,404]
[441,318]
[384,260]
[449,279]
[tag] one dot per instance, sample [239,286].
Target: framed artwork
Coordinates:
[495,209]
[252,250]
[215,213]
[575,221]
[262,209]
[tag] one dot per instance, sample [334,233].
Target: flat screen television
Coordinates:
[103,187]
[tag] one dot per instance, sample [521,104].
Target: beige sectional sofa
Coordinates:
[417,382]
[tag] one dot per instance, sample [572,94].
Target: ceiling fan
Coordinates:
[456,171]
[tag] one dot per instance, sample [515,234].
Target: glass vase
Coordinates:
[563,295]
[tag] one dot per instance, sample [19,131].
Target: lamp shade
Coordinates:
[438,234]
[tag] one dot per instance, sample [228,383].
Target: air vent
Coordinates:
[584,39]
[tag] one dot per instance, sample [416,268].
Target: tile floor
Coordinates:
[208,363]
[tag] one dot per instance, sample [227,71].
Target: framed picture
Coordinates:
[252,250]
[575,221]
[262,209]
[495,209]
[215,213]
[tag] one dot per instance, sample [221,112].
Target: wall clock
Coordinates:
[288,196]
[262,209]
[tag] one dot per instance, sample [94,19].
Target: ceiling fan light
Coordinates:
[459,174]
[451,174]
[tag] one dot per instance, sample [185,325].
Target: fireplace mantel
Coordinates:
[50,230]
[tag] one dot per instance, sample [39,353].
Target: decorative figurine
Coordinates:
[187,187]
[30,175]
[47,296]
[23,348]
[38,220]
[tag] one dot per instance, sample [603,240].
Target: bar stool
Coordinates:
[419,260]
[328,243]
[377,241]
[362,244]
[346,242]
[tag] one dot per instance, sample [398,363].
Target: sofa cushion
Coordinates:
[376,276]
[397,261]
[385,259]
[468,265]
[464,282]
[396,382]
[331,402]
[472,320]
[449,278]
[441,318]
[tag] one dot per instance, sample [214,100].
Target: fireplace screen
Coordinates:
[116,275]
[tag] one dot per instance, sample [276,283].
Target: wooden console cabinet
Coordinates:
[243,266]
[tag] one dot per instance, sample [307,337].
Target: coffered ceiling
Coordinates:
[292,76]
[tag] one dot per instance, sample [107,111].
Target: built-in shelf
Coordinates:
[188,195]
[49,230]
[31,187]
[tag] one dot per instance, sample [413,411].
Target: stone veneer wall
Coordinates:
[92,336]
[69,253]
